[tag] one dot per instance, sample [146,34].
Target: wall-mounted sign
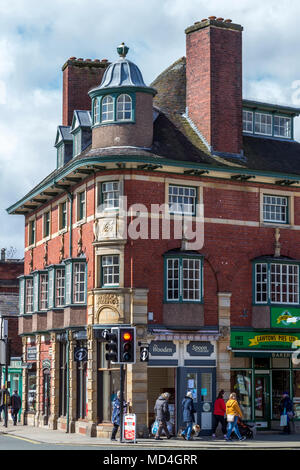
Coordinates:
[144,353]
[162,348]
[200,348]
[262,340]
[80,354]
[285,317]
[31,353]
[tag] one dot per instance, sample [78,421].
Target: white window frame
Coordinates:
[110,195]
[284,275]
[43,291]
[60,215]
[60,286]
[107,109]
[45,222]
[29,295]
[79,282]
[179,193]
[247,121]
[277,205]
[31,231]
[60,155]
[96,111]
[179,284]
[110,270]
[79,203]
[76,143]
[258,122]
[122,109]
[287,133]
[261,270]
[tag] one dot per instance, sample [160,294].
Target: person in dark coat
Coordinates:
[4,398]
[286,407]
[188,411]
[116,413]
[16,404]
[162,413]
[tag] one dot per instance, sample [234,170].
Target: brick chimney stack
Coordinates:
[214,82]
[79,76]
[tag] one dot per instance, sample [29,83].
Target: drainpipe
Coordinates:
[68,381]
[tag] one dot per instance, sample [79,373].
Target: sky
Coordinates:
[36,39]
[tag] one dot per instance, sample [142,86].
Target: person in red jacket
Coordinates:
[219,414]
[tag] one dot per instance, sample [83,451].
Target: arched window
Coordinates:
[107,109]
[96,111]
[124,108]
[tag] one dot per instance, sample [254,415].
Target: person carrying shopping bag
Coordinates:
[286,413]
[233,412]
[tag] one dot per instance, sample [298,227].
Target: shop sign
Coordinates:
[162,348]
[80,354]
[200,348]
[31,353]
[262,340]
[285,317]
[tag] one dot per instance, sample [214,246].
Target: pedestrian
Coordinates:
[116,414]
[219,414]
[162,415]
[286,407]
[188,410]
[4,399]
[15,404]
[233,412]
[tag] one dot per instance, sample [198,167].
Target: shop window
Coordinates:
[241,385]
[31,391]
[280,384]
[262,363]
[108,383]
[280,363]
[296,392]
[63,379]
[81,385]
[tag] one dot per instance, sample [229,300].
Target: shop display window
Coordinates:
[296,392]
[280,384]
[241,385]
[31,394]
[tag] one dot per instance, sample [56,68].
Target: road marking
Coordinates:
[22,438]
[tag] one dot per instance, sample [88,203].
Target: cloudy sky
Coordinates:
[37,37]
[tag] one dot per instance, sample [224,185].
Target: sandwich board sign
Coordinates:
[129,428]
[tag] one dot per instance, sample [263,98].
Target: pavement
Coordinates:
[263,441]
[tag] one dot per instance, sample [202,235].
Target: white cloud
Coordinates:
[36,38]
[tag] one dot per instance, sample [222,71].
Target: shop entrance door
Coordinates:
[46,395]
[262,400]
[202,383]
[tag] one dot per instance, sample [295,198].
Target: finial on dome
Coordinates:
[122,50]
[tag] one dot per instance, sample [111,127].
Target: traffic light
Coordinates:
[112,345]
[126,345]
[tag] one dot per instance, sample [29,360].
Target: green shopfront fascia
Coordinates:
[264,365]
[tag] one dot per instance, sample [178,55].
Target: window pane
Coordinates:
[280,384]
[107,109]
[79,282]
[110,270]
[182,200]
[110,195]
[124,108]
[241,385]
[275,209]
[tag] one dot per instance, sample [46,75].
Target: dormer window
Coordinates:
[263,124]
[124,108]
[107,109]
[96,111]
[76,143]
[60,155]
[282,126]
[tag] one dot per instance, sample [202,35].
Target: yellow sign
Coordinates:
[272,339]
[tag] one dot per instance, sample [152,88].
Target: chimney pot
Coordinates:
[204,19]
[72,58]
[96,60]
[212,18]
[104,60]
[228,21]
[88,60]
[81,59]
[3,250]
[220,19]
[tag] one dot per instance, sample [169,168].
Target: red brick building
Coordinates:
[10,270]
[217,311]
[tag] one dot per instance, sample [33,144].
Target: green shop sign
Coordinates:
[262,340]
[285,317]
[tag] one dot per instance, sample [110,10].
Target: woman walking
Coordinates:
[219,414]
[188,411]
[233,412]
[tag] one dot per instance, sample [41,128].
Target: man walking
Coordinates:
[162,414]
[15,406]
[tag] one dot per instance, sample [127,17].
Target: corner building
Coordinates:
[220,314]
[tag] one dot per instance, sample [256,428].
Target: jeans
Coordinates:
[14,415]
[232,426]
[187,431]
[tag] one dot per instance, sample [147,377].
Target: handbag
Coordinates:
[230,418]
[283,420]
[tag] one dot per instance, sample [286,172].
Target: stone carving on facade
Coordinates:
[62,249]
[224,331]
[46,254]
[53,337]
[105,228]
[79,243]
[108,299]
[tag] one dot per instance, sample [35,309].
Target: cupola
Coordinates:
[122,108]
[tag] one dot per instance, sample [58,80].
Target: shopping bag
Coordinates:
[155,427]
[230,418]
[283,420]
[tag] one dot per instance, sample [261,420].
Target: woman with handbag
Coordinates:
[233,412]
[286,413]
